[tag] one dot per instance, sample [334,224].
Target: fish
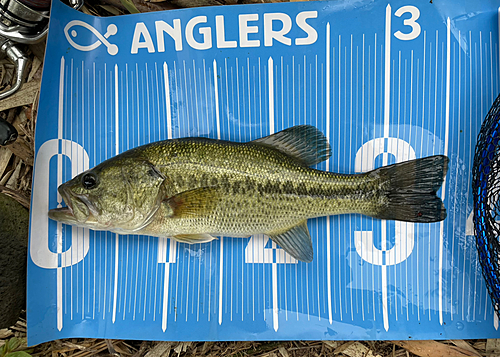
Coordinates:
[195,189]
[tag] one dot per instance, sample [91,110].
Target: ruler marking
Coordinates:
[387,101]
[328,237]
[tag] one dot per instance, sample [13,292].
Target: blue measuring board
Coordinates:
[384,81]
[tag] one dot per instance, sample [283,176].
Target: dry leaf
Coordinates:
[34,68]
[25,180]
[493,345]
[8,74]
[342,347]
[85,10]
[123,349]
[283,351]
[111,9]
[331,344]
[12,182]
[19,122]
[24,201]
[74,346]
[5,333]
[24,96]
[466,346]
[182,347]
[5,155]
[38,49]
[23,150]
[2,72]
[357,349]
[6,177]
[433,348]
[160,349]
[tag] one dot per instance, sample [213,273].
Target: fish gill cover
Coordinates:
[385,83]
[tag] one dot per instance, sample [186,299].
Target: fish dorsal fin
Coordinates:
[303,142]
[194,238]
[193,203]
[296,241]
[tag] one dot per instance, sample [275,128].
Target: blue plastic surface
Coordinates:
[384,82]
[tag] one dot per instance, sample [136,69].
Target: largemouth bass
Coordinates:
[194,189]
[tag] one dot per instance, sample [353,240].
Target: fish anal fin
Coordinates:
[296,241]
[305,143]
[193,203]
[194,238]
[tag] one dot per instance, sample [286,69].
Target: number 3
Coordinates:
[412,21]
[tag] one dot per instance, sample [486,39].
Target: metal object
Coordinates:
[16,56]
[23,22]
[8,134]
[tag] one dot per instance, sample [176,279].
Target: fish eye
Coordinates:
[89,181]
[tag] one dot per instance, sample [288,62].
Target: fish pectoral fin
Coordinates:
[296,241]
[193,203]
[303,142]
[194,238]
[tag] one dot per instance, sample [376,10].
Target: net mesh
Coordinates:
[486,191]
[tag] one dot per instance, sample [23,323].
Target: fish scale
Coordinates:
[256,181]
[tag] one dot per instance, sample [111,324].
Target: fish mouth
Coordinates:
[63,214]
[79,209]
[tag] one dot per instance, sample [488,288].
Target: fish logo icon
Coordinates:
[71,34]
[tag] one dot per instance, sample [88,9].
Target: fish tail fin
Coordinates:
[409,190]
